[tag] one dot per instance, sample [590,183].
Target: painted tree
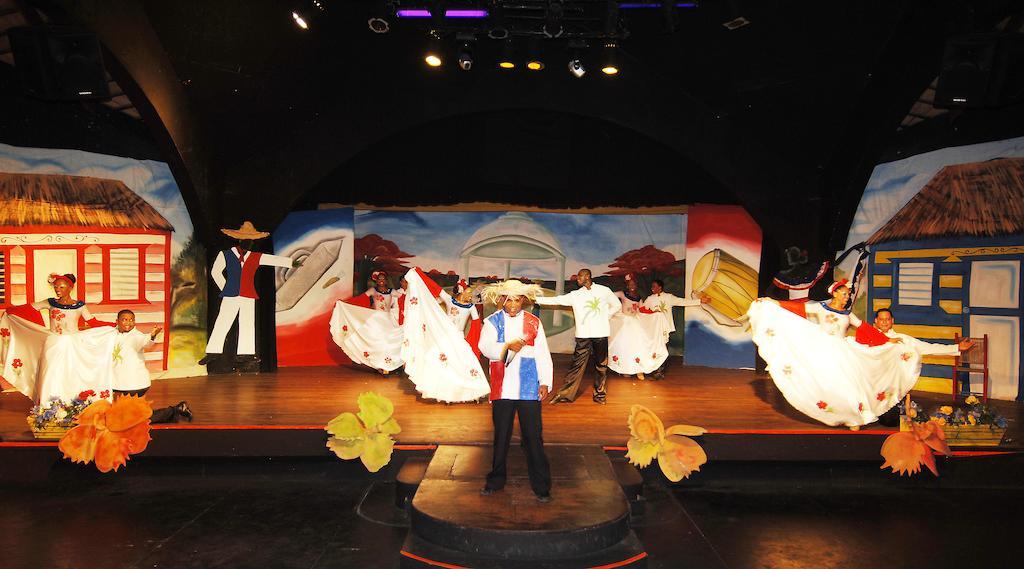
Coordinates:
[646,263]
[374,253]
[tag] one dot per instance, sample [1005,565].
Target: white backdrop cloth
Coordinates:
[833,380]
[44,365]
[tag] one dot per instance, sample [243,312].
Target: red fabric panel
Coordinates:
[497,377]
[795,306]
[93,323]
[473,336]
[435,289]
[361,300]
[870,336]
[26,312]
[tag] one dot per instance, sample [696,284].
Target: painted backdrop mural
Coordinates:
[545,247]
[723,249]
[322,241]
[946,231]
[121,226]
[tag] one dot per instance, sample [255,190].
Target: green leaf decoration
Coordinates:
[346,426]
[346,449]
[377,451]
[390,427]
[374,409]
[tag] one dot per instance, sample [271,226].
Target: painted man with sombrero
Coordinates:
[234,271]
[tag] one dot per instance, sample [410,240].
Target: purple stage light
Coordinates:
[413,13]
[642,5]
[465,13]
[453,13]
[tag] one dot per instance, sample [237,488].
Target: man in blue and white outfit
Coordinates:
[521,371]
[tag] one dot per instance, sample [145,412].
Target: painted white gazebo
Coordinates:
[515,237]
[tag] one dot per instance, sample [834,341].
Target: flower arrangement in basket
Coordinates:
[58,416]
[975,424]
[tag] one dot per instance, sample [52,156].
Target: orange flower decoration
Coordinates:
[108,432]
[905,452]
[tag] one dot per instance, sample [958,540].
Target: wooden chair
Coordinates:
[973,361]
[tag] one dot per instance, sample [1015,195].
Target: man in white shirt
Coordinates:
[592,306]
[884,323]
[521,376]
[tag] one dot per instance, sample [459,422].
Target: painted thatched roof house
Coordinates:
[980,199]
[58,200]
[116,243]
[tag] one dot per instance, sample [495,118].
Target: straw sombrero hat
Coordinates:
[512,287]
[245,232]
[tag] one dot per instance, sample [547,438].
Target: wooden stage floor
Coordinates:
[721,400]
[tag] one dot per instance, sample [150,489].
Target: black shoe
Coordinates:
[208,358]
[183,410]
[558,400]
[485,491]
[543,498]
[599,401]
[246,358]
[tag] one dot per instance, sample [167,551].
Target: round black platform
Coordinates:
[588,512]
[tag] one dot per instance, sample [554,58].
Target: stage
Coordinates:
[283,413]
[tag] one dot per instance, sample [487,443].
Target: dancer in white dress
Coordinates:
[822,373]
[662,303]
[58,361]
[636,345]
[366,327]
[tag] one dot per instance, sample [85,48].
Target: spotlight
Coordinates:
[577,48]
[433,55]
[576,68]
[533,62]
[378,25]
[300,21]
[611,59]
[507,61]
[465,56]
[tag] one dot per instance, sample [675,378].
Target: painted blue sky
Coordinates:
[152,181]
[436,238]
[299,224]
[893,184]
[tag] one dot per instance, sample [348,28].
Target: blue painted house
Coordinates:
[949,262]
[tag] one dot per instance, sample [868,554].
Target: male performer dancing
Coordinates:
[520,367]
[592,305]
[234,272]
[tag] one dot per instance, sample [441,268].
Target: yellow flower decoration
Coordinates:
[971,400]
[946,410]
[678,455]
[366,435]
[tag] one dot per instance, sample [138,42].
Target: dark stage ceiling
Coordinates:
[785,116]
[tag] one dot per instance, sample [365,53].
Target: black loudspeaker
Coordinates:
[981,70]
[59,64]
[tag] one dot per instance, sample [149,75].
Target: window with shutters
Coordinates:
[124,274]
[915,284]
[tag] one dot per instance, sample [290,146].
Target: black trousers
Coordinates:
[503,412]
[587,349]
[162,415]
